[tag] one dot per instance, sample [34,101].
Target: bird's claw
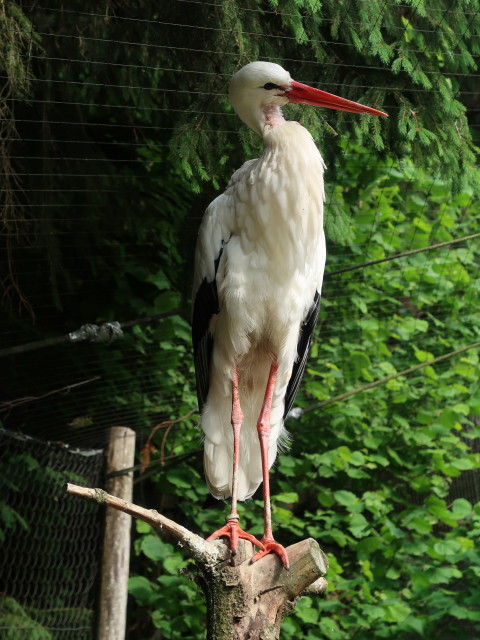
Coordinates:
[270,546]
[233,532]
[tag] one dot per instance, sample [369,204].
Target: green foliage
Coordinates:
[406,59]
[381,479]
[9,518]
[379,494]
[18,624]
[41,566]
[170,597]
[22,622]
[11,483]
[17,42]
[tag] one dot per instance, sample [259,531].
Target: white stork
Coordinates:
[259,266]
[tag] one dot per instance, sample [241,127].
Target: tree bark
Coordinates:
[245,601]
[250,601]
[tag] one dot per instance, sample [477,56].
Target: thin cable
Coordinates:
[376,383]
[204,28]
[66,338]
[50,342]
[211,73]
[262,11]
[411,252]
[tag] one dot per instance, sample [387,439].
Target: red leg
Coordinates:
[263,429]
[232,529]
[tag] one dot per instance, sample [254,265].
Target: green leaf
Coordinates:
[369,545]
[306,613]
[288,498]
[447,547]
[396,612]
[415,623]
[345,498]
[461,508]
[463,464]
[423,356]
[159,279]
[358,525]
[173,563]
[140,587]
[152,547]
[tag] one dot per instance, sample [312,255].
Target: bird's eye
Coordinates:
[269,86]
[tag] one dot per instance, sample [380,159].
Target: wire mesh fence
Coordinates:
[49,565]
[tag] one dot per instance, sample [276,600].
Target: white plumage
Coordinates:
[271,266]
[258,274]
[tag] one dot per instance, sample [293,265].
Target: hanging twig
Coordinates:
[149,448]
[11,404]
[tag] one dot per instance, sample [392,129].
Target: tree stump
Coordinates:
[245,601]
[249,601]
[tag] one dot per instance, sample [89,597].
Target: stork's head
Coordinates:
[260,89]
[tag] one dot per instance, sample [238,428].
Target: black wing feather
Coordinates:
[303,348]
[205,306]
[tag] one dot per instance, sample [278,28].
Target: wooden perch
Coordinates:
[244,601]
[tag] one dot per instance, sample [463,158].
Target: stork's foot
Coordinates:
[270,546]
[233,532]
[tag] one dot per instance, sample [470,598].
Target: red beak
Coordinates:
[303,94]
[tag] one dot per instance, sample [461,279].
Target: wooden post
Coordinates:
[116,540]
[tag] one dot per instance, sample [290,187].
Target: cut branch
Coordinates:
[244,600]
[196,546]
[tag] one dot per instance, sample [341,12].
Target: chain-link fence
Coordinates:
[50,557]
